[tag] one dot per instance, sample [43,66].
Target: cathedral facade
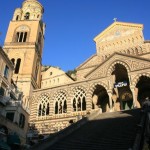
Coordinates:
[116,77]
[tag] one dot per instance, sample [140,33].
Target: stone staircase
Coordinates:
[108,131]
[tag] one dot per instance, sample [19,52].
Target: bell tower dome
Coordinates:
[24,45]
[31,10]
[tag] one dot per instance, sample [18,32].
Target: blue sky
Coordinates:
[71,25]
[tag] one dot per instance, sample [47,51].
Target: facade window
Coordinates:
[22,121]
[6,72]
[61,103]
[21,37]
[17,17]
[27,16]
[17,66]
[79,100]
[10,116]
[50,73]
[44,106]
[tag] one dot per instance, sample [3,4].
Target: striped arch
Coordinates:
[43,104]
[93,87]
[137,78]
[60,102]
[111,67]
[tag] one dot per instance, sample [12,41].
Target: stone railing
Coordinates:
[46,143]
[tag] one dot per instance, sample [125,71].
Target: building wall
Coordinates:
[10,102]
[54,77]
[95,77]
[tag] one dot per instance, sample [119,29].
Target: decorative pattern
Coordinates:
[44,105]
[60,103]
[137,78]
[79,100]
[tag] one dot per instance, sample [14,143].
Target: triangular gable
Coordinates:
[133,62]
[116,30]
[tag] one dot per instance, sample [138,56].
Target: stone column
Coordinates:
[88,102]
[95,100]
[136,104]
[110,99]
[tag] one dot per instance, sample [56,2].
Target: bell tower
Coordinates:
[24,45]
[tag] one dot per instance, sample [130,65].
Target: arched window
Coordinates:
[17,17]
[79,100]
[60,103]
[27,16]
[21,34]
[43,106]
[17,66]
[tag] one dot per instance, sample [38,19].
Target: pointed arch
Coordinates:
[60,102]
[79,99]
[44,105]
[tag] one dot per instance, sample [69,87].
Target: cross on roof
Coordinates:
[115,19]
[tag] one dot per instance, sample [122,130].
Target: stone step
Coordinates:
[108,131]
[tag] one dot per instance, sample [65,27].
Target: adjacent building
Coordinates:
[13,117]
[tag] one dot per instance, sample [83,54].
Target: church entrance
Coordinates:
[143,88]
[100,98]
[124,100]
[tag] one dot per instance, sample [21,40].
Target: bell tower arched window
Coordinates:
[17,17]
[27,16]
[17,66]
[21,34]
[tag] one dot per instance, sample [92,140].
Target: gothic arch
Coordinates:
[111,67]
[78,100]
[59,91]
[60,102]
[43,104]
